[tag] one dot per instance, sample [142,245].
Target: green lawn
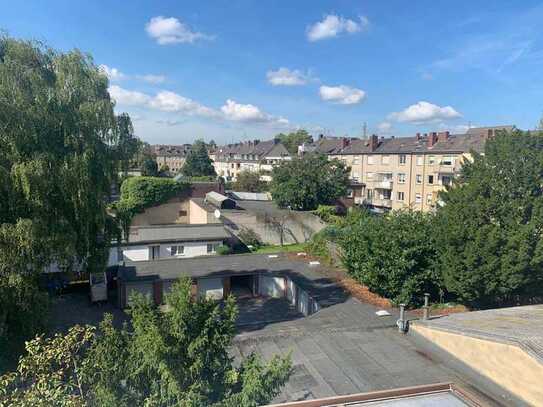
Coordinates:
[297,247]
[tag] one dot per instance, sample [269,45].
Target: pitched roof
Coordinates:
[258,148]
[171,150]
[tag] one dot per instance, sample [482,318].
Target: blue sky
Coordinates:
[233,70]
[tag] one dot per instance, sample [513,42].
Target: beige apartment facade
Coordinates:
[171,156]
[408,172]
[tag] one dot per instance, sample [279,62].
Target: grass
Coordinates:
[296,247]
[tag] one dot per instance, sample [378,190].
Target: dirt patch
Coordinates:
[357,290]
[442,310]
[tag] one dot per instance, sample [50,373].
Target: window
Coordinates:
[420,159]
[212,247]
[401,196]
[429,199]
[418,198]
[431,160]
[155,252]
[401,178]
[385,159]
[419,179]
[402,159]
[356,160]
[182,213]
[371,159]
[370,193]
[177,250]
[431,179]
[350,193]
[445,180]
[447,161]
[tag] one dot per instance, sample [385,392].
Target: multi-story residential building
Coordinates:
[171,156]
[394,173]
[254,155]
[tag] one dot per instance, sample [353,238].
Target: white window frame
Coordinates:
[400,195]
[212,248]
[418,198]
[420,160]
[402,159]
[428,179]
[179,250]
[418,179]
[401,177]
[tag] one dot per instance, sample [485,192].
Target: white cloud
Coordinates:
[250,114]
[286,77]
[343,95]
[116,75]
[333,25]
[154,79]
[169,30]
[128,97]
[172,102]
[167,101]
[113,74]
[423,112]
[384,127]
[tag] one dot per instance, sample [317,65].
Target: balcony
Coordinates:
[380,183]
[384,203]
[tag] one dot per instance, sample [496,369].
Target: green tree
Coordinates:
[149,167]
[198,162]
[489,229]
[174,358]
[249,181]
[306,182]
[128,145]
[393,255]
[292,140]
[59,154]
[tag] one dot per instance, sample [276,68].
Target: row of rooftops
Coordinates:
[253,150]
[163,150]
[442,142]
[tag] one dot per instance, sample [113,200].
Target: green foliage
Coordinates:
[291,141]
[198,162]
[61,147]
[173,358]
[304,183]
[249,237]
[249,181]
[488,231]
[138,193]
[224,249]
[328,213]
[393,255]
[149,167]
[319,244]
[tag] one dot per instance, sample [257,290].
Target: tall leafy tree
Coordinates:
[198,162]
[149,167]
[393,255]
[307,182]
[59,153]
[174,358]
[489,230]
[249,181]
[292,140]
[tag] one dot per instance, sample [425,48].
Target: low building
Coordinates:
[255,156]
[172,156]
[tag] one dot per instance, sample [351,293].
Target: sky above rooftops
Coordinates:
[239,70]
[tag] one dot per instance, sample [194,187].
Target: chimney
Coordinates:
[432,138]
[443,136]
[345,142]
[374,142]
[321,136]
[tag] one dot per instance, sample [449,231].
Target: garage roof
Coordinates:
[177,233]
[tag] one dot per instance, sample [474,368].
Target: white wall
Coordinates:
[272,286]
[143,252]
[211,288]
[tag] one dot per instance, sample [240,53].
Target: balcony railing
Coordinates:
[380,183]
[386,203]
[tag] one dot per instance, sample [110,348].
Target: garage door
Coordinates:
[144,287]
[211,288]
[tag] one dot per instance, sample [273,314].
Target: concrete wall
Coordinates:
[143,252]
[210,288]
[506,365]
[135,253]
[197,214]
[286,228]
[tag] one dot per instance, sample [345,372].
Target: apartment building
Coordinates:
[172,156]
[254,155]
[405,172]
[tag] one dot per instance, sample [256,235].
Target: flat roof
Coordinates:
[309,277]
[177,233]
[522,326]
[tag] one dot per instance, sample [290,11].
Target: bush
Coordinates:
[393,255]
[138,193]
[328,213]
[224,249]
[249,237]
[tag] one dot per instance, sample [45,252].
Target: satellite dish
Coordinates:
[217,213]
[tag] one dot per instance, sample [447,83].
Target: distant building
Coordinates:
[172,156]
[254,155]
[400,172]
